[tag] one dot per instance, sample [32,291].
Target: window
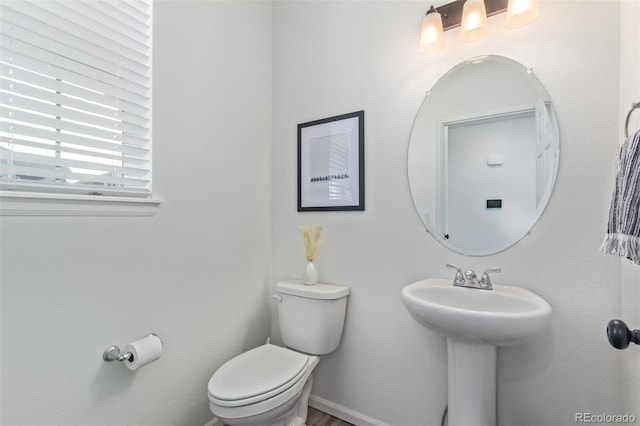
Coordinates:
[75,83]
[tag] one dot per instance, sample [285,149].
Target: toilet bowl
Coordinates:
[270,385]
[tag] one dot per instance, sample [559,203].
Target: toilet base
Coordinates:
[292,413]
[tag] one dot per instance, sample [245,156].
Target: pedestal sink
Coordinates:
[475,322]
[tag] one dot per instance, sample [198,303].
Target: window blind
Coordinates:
[75,93]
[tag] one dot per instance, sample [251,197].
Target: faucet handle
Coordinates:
[485,280]
[459,278]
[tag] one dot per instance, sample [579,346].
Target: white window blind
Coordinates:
[75,96]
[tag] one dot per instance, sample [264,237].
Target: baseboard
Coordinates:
[344,413]
[214,422]
[336,410]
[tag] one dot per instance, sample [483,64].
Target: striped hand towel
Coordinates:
[623,230]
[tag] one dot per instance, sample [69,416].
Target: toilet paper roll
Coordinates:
[143,351]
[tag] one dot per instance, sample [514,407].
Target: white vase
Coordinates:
[310,274]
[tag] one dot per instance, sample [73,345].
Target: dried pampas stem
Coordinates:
[311,238]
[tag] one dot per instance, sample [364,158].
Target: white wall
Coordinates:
[342,56]
[196,273]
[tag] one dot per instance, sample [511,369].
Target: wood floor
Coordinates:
[318,418]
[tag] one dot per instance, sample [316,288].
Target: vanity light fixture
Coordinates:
[471,16]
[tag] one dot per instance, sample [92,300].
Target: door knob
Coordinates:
[620,336]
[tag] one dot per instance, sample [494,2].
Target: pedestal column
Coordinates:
[472,383]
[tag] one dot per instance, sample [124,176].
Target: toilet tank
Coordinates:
[311,317]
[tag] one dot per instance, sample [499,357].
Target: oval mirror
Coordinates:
[483,155]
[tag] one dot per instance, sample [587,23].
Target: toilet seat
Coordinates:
[259,374]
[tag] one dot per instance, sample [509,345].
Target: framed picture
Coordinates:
[331,163]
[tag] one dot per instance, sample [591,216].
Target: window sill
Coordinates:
[14,203]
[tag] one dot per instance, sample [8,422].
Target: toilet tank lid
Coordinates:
[316,291]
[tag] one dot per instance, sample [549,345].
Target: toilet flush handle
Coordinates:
[277,298]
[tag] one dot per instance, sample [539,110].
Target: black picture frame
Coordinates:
[331,163]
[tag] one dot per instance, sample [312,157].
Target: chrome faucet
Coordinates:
[469,278]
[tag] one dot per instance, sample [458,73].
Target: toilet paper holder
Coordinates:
[112,353]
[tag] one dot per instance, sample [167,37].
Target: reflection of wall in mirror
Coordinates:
[546,149]
[474,175]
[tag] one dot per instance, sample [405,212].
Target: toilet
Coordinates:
[270,385]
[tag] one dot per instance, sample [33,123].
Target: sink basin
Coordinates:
[503,316]
[475,322]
